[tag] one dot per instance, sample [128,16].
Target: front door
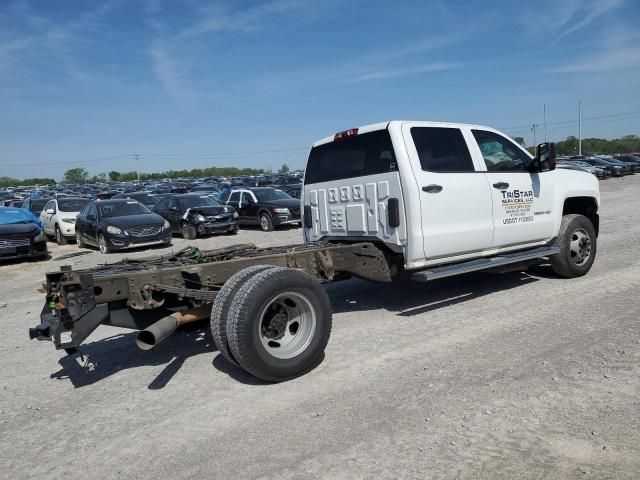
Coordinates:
[522,201]
[248,211]
[455,200]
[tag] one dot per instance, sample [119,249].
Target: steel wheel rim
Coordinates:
[264,222]
[287,325]
[102,243]
[580,246]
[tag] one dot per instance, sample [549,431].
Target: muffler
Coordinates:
[163,328]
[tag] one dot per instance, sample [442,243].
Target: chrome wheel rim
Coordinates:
[264,222]
[580,247]
[287,325]
[102,244]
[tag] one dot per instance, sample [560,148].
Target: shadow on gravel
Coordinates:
[408,298]
[108,356]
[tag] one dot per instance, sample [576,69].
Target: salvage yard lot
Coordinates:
[484,376]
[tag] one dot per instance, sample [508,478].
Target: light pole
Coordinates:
[533,129]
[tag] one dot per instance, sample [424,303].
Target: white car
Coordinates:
[59,217]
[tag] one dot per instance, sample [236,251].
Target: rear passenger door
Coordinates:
[455,200]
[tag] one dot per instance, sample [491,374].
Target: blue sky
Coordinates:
[196,83]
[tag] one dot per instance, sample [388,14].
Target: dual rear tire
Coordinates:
[273,322]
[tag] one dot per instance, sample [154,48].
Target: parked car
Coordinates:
[35,205]
[148,199]
[59,217]
[597,171]
[21,234]
[119,224]
[293,190]
[266,207]
[194,214]
[613,170]
[631,161]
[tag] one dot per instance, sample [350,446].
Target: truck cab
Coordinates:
[436,193]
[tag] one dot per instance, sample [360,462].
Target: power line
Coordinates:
[79,162]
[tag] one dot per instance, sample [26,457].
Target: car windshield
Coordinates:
[269,194]
[147,199]
[37,205]
[72,204]
[193,201]
[122,209]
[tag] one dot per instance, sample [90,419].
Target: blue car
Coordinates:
[21,234]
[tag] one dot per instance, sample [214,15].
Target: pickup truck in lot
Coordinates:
[400,199]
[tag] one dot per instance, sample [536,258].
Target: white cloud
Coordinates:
[614,59]
[167,71]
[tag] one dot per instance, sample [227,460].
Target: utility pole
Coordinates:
[533,129]
[579,127]
[544,113]
[137,158]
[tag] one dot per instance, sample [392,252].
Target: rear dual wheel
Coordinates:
[278,322]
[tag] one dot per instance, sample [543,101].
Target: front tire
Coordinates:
[266,223]
[577,242]
[279,324]
[103,245]
[189,232]
[60,238]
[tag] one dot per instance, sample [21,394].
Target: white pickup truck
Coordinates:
[436,194]
[418,199]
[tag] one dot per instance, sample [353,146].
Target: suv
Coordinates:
[437,193]
[266,207]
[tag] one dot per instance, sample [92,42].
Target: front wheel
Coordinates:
[266,223]
[279,324]
[103,245]
[189,232]
[577,242]
[60,238]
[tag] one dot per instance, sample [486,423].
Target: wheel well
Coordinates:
[586,206]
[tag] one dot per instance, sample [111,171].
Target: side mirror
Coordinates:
[545,159]
[49,211]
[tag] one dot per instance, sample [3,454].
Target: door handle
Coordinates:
[501,185]
[432,188]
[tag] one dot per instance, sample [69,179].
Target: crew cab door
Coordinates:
[248,210]
[455,201]
[522,201]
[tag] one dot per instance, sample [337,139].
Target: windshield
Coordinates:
[72,204]
[122,209]
[37,205]
[147,199]
[193,201]
[269,194]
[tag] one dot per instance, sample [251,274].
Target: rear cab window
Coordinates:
[355,156]
[442,150]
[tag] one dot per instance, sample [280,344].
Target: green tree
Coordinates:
[520,140]
[114,176]
[284,168]
[76,175]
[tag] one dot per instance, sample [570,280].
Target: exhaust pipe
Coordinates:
[159,331]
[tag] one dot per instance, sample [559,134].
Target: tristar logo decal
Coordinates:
[517,206]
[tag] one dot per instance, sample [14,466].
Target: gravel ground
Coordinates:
[521,375]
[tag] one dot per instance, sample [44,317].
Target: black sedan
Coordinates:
[114,225]
[613,170]
[266,207]
[194,214]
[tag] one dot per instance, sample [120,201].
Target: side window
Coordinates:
[85,211]
[173,203]
[49,205]
[93,211]
[163,204]
[234,198]
[247,198]
[442,149]
[499,153]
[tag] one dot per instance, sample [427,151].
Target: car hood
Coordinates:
[285,203]
[210,210]
[129,221]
